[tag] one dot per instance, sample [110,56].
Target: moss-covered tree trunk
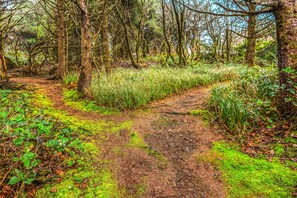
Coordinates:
[61,39]
[251,39]
[286,22]
[85,77]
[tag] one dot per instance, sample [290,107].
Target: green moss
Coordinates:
[43,101]
[137,141]
[279,150]
[204,115]
[91,148]
[104,186]
[65,188]
[251,177]
[122,126]
[97,184]
[99,181]
[77,101]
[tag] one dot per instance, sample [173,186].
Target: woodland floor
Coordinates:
[171,133]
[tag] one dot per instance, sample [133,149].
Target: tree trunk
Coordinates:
[61,39]
[134,64]
[3,67]
[286,23]
[106,53]
[251,45]
[85,77]
[228,41]
[165,33]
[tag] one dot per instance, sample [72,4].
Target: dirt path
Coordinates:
[170,132]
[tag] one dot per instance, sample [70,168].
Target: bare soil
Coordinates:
[169,131]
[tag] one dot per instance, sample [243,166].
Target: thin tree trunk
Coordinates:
[61,40]
[164,32]
[106,53]
[134,64]
[228,41]
[251,45]
[85,77]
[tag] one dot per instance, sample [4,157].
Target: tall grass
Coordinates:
[130,89]
[242,104]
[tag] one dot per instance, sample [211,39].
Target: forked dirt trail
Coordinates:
[169,131]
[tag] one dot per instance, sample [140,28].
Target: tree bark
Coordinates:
[3,67]
[85,77]
[134,64]
[286,22]
[165,33]
[251,45]
[106,53]
[61,39]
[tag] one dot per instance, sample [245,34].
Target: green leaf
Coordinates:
[18,141]
[27,158]
[14,180]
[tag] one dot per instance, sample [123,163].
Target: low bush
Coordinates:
[70,78]
[246,102]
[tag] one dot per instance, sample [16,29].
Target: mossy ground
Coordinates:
[204,115]
[137,141]
[251,177]
[77,101]
[89,175]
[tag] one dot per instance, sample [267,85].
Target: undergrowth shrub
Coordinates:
[33,146]
[248,101]
[70,78]
[129,88]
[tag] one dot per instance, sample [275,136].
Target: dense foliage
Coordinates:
[33,146]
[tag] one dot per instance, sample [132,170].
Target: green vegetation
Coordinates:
[71,78]
[84,179]
[204,115]
[33,144]
[130,89]
[251,177]
[76,100]
[137,141]
[244,103]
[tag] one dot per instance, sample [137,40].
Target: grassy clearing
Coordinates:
[248,101]
[250,177]
[130,89]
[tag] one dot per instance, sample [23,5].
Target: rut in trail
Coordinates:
[168,130]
